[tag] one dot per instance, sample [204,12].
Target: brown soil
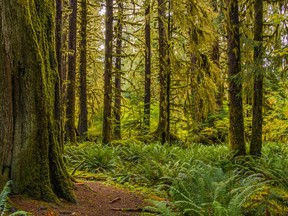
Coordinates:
[94,199]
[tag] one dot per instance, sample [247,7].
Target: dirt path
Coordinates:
[94,199]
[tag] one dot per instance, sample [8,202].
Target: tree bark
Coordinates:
[216,59]
[107,125]
[32,147]
[256,139]
[70,108]
[83,120]
[147,97]
[6,107]
[118,62]
[236,130]
[59,108]
[163,125]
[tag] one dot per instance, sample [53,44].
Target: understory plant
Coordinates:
[198,179]
[4,207]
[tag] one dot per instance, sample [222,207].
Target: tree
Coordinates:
[30,150]
[59,107]
[236,129]
[147,96]
[256,139]
[70,108]
[164,118]
[118,62]
[83,122]
[107,113]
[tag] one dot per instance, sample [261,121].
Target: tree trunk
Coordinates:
[147,97]
[32,157]
[6,107]
[106,130]
[59,107]
[216,59]
[256,139]
[236,130]
[70,108]
[118,62]
[163,124]
[83,122]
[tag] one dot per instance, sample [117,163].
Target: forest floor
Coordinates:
[93,199]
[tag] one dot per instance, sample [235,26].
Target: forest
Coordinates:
[183,100]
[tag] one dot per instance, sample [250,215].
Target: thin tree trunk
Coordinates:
[256,139]
[147,97]
[118,62]
[83,122]
[163,125]
[236,130]
[106,130]
[59,108]
[70,109]
[216,59]
[30,72]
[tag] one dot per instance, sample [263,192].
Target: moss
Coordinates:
[38,169]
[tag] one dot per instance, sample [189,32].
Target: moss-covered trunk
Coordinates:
[236,130]
[83,116]
[256,139]
[71,88]
[6,110]
[147,96]
[37,167]
[107,112]
[163,124]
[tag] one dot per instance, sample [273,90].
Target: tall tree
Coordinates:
[163,124]
[118,62]
[59,107]
[107,124]
[83,121]
[256,139]
[70,108]
[236,129]
[147,96]
[32,157]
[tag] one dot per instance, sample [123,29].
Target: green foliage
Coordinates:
[4,197]
[207,190]
[200,179]
[92,158]
[4,201]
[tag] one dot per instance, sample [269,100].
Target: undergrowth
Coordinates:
[198,180]
[4,206]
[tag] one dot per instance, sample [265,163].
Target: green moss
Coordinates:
[38,168]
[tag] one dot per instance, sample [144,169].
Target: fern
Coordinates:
[207,190]
[4,197]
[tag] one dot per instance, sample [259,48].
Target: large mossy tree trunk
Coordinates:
[6,109]
[256,139]
[29,70]
[236,129]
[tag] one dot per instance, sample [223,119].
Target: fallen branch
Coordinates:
[135,210]
[128,209]
[114,200]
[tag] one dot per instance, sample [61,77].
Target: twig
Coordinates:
[114,200]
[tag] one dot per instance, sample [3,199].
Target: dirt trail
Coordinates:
[94,199]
